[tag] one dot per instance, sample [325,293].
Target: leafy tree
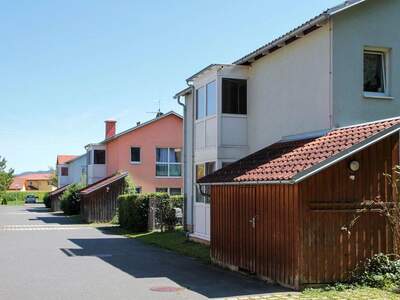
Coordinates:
[6,177]
[54,177]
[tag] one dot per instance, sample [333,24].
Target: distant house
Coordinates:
[71,169]
[32,182]
[150,152]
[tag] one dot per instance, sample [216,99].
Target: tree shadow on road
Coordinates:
[143,261]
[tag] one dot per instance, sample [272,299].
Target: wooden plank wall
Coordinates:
[269,250]
[100,206]
[329,200]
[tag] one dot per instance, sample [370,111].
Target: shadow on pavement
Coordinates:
[143,261]
[60,219]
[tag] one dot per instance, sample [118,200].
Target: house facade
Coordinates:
[40,182]
[71,169]
[150,152]
[335,70]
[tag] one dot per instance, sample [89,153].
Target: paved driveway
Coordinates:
[45,256]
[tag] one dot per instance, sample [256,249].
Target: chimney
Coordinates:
[137,123]
[110,128]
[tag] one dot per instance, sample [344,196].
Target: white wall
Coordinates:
[289,90]
[75,169]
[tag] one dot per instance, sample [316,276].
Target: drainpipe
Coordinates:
[185,160]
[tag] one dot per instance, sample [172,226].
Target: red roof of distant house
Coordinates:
[63,159]
[292,160]
[18,181]
[102,183]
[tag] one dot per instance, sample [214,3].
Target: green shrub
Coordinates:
[3,201]
[70,199]
[46,200]
[133,211]
[380,271]
[177,201]
[19,197]
[165,212]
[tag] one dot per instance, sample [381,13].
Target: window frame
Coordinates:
[169,163]
[201,199]
[205,105]
[94,157]
[385,54]
[64,174]
[136,162]
[222,97]
[168,190]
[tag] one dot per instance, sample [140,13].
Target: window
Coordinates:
[201,171]
[171,191]
[135,154]
[168,162]
[206,100]
[211,99]
[200,103]
[375,72]
[175,191]
[64,171]
[138,190]
[99,157]
[234,96]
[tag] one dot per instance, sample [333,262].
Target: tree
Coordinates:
[54,177]
[6,177]
[390,210]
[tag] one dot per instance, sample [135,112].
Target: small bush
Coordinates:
[177,201]
[70,200]
[165,212]
[380,271]
[46,200]
[19,197]
[133,212]
[3,201]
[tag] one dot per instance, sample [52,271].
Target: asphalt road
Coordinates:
[44,256]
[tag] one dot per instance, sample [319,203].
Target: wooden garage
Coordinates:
[99,201]
[55,197]
[279,213]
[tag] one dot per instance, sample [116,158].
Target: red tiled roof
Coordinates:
[63,159]
[102,183]
[19,181]
[283,160]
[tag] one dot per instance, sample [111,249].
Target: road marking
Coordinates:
[40,227]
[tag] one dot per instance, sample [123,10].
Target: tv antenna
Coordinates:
[158,112]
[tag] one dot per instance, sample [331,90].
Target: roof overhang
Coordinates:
[212,67]
[184,92]
[102,183]
[322,165]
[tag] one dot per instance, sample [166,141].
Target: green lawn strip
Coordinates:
[175,241]
[355,293]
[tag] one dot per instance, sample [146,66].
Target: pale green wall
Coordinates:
[373,23]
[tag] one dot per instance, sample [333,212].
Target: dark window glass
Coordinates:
[200,103]
[174,155]
[175,191]
[99,157]
[64,171]
[161,190]
[138,190]
[234,96]
[135,154]
[162,155]
[161,169]
[374,72]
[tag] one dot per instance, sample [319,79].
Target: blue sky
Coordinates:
[66,66]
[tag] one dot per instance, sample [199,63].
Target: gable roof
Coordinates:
[103,183]
[63,159]
[301,30]
[59,190]
[292,161]
[19,181]
[171,113]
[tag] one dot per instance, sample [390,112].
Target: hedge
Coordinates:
[133,210]
[20,196]
[70,200]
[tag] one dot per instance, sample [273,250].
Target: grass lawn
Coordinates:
[356,293]
[175,241]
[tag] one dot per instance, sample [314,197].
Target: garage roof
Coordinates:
[293,161]
[103,183]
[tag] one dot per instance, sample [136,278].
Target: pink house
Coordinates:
[150,152]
